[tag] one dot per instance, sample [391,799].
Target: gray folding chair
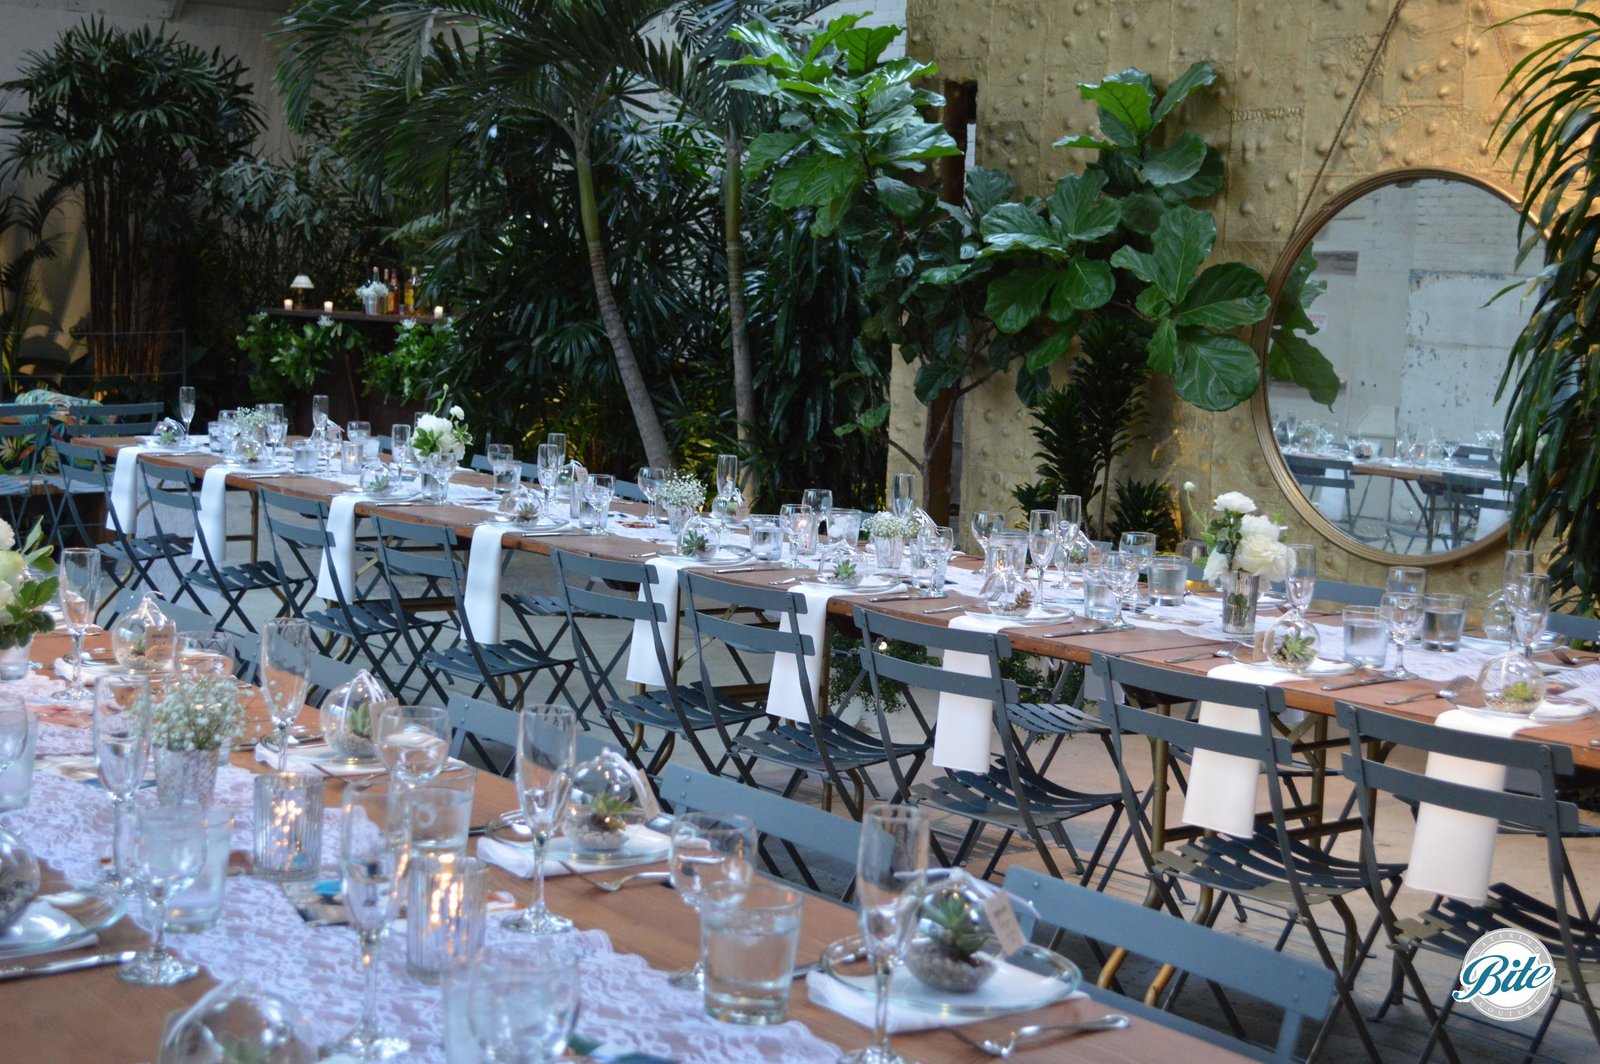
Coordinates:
[111,419]
[1302,990]
[1012,795]
[1449,927]
[801,828]
[1571,626]
[476,723]
[1343,594]
[18,484]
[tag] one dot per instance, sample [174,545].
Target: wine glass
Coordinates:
[796,518]
[1529,601]
[598,491]
[558,440]
[821,502]
[79,577]
[186,406]
[1517,563]
[277,429]
[650,478]
[547,739]
[1402,614]
[400,447]
[1122,572]
[121,740]
[205,652]
[709,849]
[522,1004]
[413,741]
[285,672]
[374,853]
[169,851]
[319,413]
[551,458]
[903,494]
[1406,580]
[1069,511]
[986,523]
[727,472]
[1041,544]
[1142,545]
[890,869]
[1301,583]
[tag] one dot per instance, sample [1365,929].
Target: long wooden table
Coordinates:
[1146,644]
[93,1016]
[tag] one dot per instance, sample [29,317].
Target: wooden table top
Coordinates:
[1147,644]
[93,1016]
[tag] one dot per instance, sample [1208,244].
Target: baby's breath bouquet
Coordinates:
[885,525]
[683,490]
[201,711]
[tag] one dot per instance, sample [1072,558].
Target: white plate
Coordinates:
[1031,978]
[60,921]
[1495,714]
[1561,712]
[870,585]
[1045,616]
[644,846]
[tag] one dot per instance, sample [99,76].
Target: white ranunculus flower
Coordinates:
[1190,485]
[433,423]
[1258,525]
[1234,502]
[8,536]
[1262,555]
[1217,563]
[457,413]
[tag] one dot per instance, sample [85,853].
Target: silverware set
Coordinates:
[1004,1047]
[66,964]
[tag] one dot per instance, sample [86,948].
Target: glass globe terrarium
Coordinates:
[602,804]
[841,566]
[699,539]
[954,947]
[1291,643]
[1511,683]
[237,1022]
[522,507]
[348,715]
[144,639]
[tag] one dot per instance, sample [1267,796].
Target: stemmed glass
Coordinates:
[1402,614]
[205,652]
[1121,571]
[1517,563]
[821,502]
[277,427]
[550,460]
[400,448]
[79,577]
[121,748]
[1041,545]
[1141,545]
[285,673]
[319,414]
[413,742]
[1406,580]
[890,869]
[986,523]
[547,738]
[1301,583]
[598,491]
[727,472]
[186,406]
[558,440]
[796,518]
[374,851]
[650,478]
[169,852]
[1529,601]
[903,494]
[709,849]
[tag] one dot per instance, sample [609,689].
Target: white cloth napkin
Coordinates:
[92,668]
[43,912]
[1222,787]
[965,725]
[211,524]
[642,664]
[482,593]
[1006,986]
[783,692]
[1452,853]
[518,860]
[342,555]
[316,759]
[125,488]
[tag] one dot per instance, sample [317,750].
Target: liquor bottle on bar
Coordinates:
[411,292]
[394,292]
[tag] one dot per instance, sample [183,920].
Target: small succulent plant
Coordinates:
[1517,693]
[1296,650]
[844,572]
[696,543]
[378,486]
[609,813]
[168,435]
[951,951]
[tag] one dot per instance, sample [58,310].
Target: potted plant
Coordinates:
[681,495]
[888,535]
[191,727]
[23,594]
[953,947]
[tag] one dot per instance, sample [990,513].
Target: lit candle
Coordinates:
[327,306]
[444,913]
[438,312]
[288,304]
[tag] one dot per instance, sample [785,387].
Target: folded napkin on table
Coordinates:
[92,667]
[316,758]
[518,860]
[1007,985]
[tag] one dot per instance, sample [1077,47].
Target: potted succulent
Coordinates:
[954,946]
[1291,643]
[601,805]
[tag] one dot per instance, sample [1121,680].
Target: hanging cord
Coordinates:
[1344,122]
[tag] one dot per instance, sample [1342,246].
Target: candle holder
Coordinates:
[445,904]
[288,826]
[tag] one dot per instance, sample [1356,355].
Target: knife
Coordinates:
[1368,682]
[68,964]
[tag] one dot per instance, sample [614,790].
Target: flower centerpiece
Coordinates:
[24,592]
[889,534]
[372,294]
[681,495]
[250,445]
[439,442]
[1245,547]
[190,727]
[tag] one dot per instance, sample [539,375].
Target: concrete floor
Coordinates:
[1085,765]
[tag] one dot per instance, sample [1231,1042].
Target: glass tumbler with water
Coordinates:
[1168,576]
[1443,619]
[1366,637]
[748,938]
[766,537]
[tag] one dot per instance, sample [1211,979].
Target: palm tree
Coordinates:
[566,62]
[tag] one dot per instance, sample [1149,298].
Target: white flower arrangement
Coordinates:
[324,322]
[1242,539]
[438,434]
[885,525]
[683,489]
[372,290]
[252,421]
[24,592]
[199,712]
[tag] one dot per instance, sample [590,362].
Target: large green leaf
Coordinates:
[1206,182]
[904,200]
[1162,354]
[1226,296]
[767,149]
[1015,299]
[1077,209]
[934,377]
[1124,101]
[1197,76]
[1295,359]
[1016,223]
[814,180]
[1176,163]
[819,44]
[1180,244]
[863,46]
[1050,350]
[1214,372]
[1086,284]
[1082,141]
[987,189]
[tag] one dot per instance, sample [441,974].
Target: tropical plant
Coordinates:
[136,123]
[1146,506]
[1552,376]
[405,372]
[23,221]
[287,358]
[1290,355]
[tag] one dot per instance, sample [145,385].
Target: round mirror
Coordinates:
[1393,313]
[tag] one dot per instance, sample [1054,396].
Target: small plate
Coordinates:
[61,920]
[1561,712]
[543,524]
[643,846]
[1318,669]
[1045,616]
[1031,978]
[868,585]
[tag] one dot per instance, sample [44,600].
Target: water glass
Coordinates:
[16,781]
[903,493]
[1169,575]
[598,491]
[306,457]
[844,526]
[766,537]
[1101,600]
[1443,618]
[522,1004]
[709,851]
[441,810]
[504,467]
[446,901]
[1366,637]
[198,906]
[205,652]
[288,826]
[216,438]
[413,741]
[350,457]
[748,938]
[358,430]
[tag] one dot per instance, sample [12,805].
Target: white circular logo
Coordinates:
[1507,975]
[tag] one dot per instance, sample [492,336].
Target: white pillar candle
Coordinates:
[438,312]
[288,304]
[327,306]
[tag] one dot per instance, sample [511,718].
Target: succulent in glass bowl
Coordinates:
[1291,643]
[602,804]
[841,566]
[347,716]
[376,479]
[1511,683]
[699,539]
[954,947]
[522,507]
[144,639]
[170,431]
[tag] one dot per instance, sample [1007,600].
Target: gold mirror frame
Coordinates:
[1262,334]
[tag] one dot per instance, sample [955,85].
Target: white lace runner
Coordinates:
[627,1005]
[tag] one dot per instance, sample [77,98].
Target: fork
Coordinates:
[611,886]
[1225,652]
[1450,692]
[1113,1021]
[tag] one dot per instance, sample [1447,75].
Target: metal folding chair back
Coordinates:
[297,531]
[111,419]
[1343,594]
[476,722]
[1304,991]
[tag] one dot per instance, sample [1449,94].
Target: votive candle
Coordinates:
[438,312]
[327,306]
[288,304]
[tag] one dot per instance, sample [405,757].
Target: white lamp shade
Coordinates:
[301,281]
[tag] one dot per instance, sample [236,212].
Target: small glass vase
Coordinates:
[185,777]
[15,661]
[435,473]
[887,552]
[677,517]
[1240,590]
[699,539]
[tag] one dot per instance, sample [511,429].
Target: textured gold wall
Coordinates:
[1288,71]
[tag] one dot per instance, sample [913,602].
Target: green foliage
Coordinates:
[286,359]
[844,666]
[1146,506]
[1290,356]
[24,616]
[405,372]
[23,223]
[1552,376]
